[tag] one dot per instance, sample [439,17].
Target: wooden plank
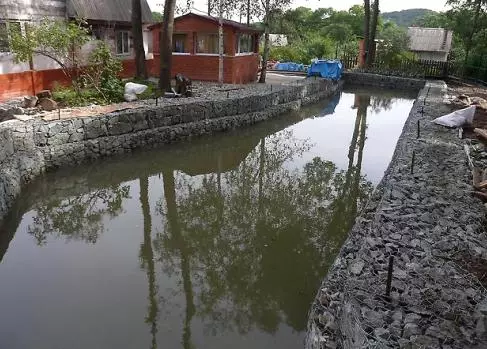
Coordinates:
[481,133]
[480,195]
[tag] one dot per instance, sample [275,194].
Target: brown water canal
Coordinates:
[221,242]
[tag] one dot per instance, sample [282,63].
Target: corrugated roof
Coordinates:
[107,10]
[430,39]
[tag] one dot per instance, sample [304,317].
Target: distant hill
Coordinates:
[406,18]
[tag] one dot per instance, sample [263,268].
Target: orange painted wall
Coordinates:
[238,69]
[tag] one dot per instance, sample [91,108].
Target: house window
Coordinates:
[245,43]
[207,43]
[178,42]
[123,43]
[6,31]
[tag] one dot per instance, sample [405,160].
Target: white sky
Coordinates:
[385,5]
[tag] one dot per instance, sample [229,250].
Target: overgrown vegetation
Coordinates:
[468,21]
[327,33]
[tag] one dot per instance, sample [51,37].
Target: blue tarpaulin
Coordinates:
[326,69]
[289,66]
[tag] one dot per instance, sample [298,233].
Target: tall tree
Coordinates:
[167,30]
[137,34]
[221,44]
[268,8]
[366,29]
[476,7]
[373,31]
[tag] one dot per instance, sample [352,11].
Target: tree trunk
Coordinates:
[209,7]
[166,45]
[373,32]
[468,45]
[265,57]
[220,42]
[137,34]
[147,255]
[366,28]
[248,12]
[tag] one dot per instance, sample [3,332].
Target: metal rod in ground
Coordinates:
[228,94]
[157,101]
[389,276]
[419,132]
[412,161]
[59,113]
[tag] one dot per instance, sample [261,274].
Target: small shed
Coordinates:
[196,50]
[430,43]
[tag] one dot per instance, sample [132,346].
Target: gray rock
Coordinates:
[382,333]
[357,267]
[48,104]
[30,101]
[410,330]
[412,318]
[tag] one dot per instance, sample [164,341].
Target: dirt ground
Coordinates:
[457,88]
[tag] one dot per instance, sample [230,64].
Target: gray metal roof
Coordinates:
[430,39]
[107,10]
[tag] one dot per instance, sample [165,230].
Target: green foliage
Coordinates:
[393,46]
[69,97]
[103,72]
[316,47]
[58,40]
[99,82]
[407,18]
[157,17]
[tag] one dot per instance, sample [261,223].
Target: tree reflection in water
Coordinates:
[77,217]
[250,245]
[253,243]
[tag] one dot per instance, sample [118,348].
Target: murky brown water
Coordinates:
[216,243]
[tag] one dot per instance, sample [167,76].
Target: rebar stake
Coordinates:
[412,161]
[419,132]
[389,277]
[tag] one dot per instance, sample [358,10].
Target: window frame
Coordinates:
[251,43]
[185,39]
[217,40]
[123,33]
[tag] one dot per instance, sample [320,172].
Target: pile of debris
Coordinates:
[463,101]
[28,105]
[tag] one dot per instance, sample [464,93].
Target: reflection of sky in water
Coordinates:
[330,135]
[72,294]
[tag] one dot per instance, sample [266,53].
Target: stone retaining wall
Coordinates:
[30,148]
[382,81]
[424,217]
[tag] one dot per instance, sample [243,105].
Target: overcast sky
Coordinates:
[385,5]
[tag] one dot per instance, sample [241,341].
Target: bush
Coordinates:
[69,97]
[103,74]
[303,52]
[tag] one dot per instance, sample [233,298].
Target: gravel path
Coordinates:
[203,91]
[423,217]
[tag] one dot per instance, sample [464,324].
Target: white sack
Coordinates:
[133,88]
[458,118]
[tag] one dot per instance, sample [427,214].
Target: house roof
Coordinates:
[107,10]
[226,22]
[430,39]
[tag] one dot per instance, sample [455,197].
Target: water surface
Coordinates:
[215,243]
